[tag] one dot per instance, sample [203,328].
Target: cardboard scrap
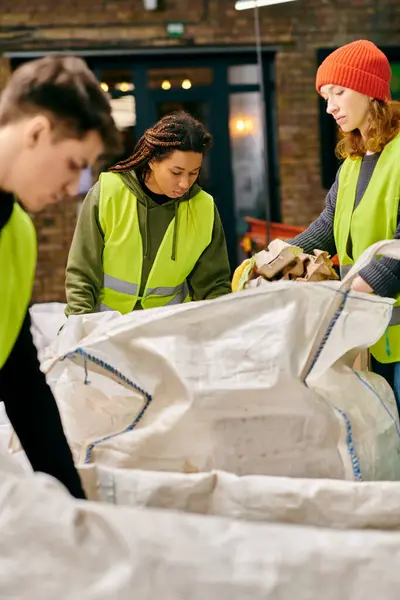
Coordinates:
[283,261]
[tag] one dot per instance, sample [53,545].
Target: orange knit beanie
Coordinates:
[359,66]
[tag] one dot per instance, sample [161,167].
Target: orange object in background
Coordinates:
[255,239]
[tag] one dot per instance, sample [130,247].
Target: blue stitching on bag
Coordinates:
[119,375]
[349,438]
[327,333]
[86,382]
[379,398]
[350,446]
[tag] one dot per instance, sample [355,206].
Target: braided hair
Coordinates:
[176,131]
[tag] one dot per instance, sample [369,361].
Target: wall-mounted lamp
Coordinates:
[241,126]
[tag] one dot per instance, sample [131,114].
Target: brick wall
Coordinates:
[298,29]
[55,227]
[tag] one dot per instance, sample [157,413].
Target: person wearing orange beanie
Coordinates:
[362,206]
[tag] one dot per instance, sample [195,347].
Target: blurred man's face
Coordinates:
[48,168]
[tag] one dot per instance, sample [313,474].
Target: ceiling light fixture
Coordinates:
[150,4]
[125,86]
[248,4]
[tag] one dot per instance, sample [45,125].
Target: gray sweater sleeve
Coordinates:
[319,235]
[383,275]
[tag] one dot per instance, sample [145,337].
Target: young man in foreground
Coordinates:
[54,121]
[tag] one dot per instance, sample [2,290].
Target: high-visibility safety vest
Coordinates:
[374,219]
[18,252]
[123,250]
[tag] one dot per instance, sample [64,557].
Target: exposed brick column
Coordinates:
[302,196]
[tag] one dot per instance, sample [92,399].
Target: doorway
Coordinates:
[219,87]
[198,109]
[222,91]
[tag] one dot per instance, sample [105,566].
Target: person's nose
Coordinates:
[331,107]
[184,182]
[72,187]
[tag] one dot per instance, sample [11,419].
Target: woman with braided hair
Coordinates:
[147,234]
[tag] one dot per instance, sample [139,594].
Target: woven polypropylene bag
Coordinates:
[259,382]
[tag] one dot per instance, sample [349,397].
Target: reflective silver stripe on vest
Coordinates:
[164,291]
[120,285]
[395,320]
[181,296]
[344,270]
[179,293]
[104,308]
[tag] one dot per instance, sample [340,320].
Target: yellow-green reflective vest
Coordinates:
[374,219]
[123,250]
[17,264]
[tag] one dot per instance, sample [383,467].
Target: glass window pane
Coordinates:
[86,181]
[179,78]
[124,111]
[243,75]
[247,147]
[119,85]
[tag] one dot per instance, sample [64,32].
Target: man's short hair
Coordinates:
[64,89]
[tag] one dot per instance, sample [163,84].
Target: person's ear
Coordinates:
[36,129]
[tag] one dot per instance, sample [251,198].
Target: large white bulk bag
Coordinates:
[317,502]
[259,382]
[52,546]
